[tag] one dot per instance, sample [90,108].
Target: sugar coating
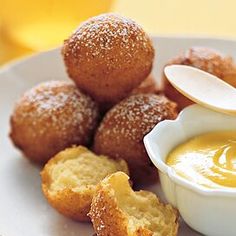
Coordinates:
[207,59]
[57,106]
[107,57]
[135,116]
[101,34]
[204,58]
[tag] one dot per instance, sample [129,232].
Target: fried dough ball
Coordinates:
[108,56]
[50,117]
[118,210]
[70,178]
[121,132]
[205,59]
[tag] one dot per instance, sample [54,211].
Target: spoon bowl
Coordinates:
[203,88]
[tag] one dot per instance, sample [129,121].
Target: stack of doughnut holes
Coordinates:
[111,103]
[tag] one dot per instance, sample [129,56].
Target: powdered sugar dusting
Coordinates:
[207,59]
[135,116]
[57,106]
[101,34]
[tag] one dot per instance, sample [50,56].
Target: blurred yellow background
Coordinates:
[28,26]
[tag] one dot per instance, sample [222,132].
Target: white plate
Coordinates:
[23,209]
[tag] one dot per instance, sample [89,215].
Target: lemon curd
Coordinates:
[208,159]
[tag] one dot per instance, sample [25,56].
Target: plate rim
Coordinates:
[23,59]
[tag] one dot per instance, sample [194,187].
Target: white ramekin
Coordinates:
[209,211]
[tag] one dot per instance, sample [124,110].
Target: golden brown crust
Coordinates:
[109,219]
[143,232]
[120,134]
[71,204]
[205,59]
[50,117]
[105,215]
[107,56]
[74,204]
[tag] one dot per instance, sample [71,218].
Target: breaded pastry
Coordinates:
[50,117]
[70,178]
[117,210]
[108,56]
[205,59]
[121,132]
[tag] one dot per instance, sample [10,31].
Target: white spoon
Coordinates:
[203,88]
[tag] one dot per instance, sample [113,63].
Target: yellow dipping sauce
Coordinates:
[208,159]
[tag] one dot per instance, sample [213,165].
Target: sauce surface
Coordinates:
[208,159]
